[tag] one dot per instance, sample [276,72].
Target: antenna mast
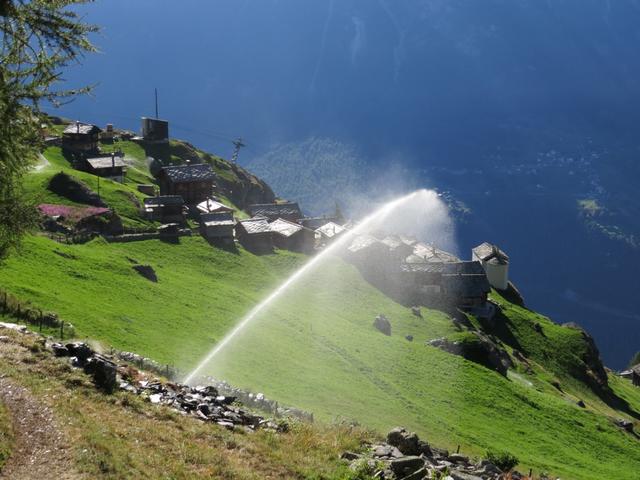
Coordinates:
[238,144]
[156,91]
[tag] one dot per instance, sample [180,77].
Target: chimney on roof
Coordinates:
[77,126]
[113,159]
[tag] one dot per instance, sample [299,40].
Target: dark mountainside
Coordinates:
[526,112]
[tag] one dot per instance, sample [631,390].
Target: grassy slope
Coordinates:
[124,199]
[122,437]
[316,348]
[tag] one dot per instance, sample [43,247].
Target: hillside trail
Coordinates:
[40,450]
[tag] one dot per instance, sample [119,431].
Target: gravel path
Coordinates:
[40,450]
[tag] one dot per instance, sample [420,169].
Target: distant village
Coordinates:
[410,270]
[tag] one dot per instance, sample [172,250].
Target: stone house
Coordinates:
[255,235]
[193,182]
[165,208]
[272,211]
[495,263]
[465,284]
[217,226]
[292,236]
[80,138]
[423,253]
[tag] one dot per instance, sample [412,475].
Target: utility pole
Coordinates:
[156,91]
[238,144]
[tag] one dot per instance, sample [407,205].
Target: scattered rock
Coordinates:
[103,372]
[59,350]
[81,351]
[382,324]
[406,465]
[409,338]
[407,442]
[625,425]
[416,311]
[581,404]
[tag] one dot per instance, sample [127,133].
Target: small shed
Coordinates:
[111,166]
[194,182]
[329,232]
[217,226]
[164,208]
[272,211]
[255,235]
[292,236]
[213,206]
[80,138]
[495,263]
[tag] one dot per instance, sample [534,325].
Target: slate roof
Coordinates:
[363,242]
[330,229]
[210,205]
[199,172]
[422,267]
[423,253]
[99,163]
[255,225]
[316,222]
[81,128]
[275,210]
[285,227]
[217,219]
[163,201]
[488,252]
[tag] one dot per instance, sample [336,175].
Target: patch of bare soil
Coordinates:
[40,450]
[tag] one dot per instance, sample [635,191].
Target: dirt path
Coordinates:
[40,450]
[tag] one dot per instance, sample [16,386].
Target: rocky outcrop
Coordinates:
[68,187]
[243,188]
[405,456]
[481,349]
[595,373]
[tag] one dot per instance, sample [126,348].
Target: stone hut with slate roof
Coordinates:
[165,209]
[80,138]
[329,232]
[212,206]
[255,235]
[465,284]
[217,227]
[495,263]
[272,211]
[292,236]
[194,182]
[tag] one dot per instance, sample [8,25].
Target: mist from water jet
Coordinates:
[387,217]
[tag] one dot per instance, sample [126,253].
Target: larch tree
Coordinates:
[39,39]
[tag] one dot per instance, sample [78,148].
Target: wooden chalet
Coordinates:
[165,208]
[255,235]
[110,166]
[194,183]
[80,138]
[272,211]
[292,236]
[217,226]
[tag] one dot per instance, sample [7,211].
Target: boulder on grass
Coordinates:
[103,372]
[382,324]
